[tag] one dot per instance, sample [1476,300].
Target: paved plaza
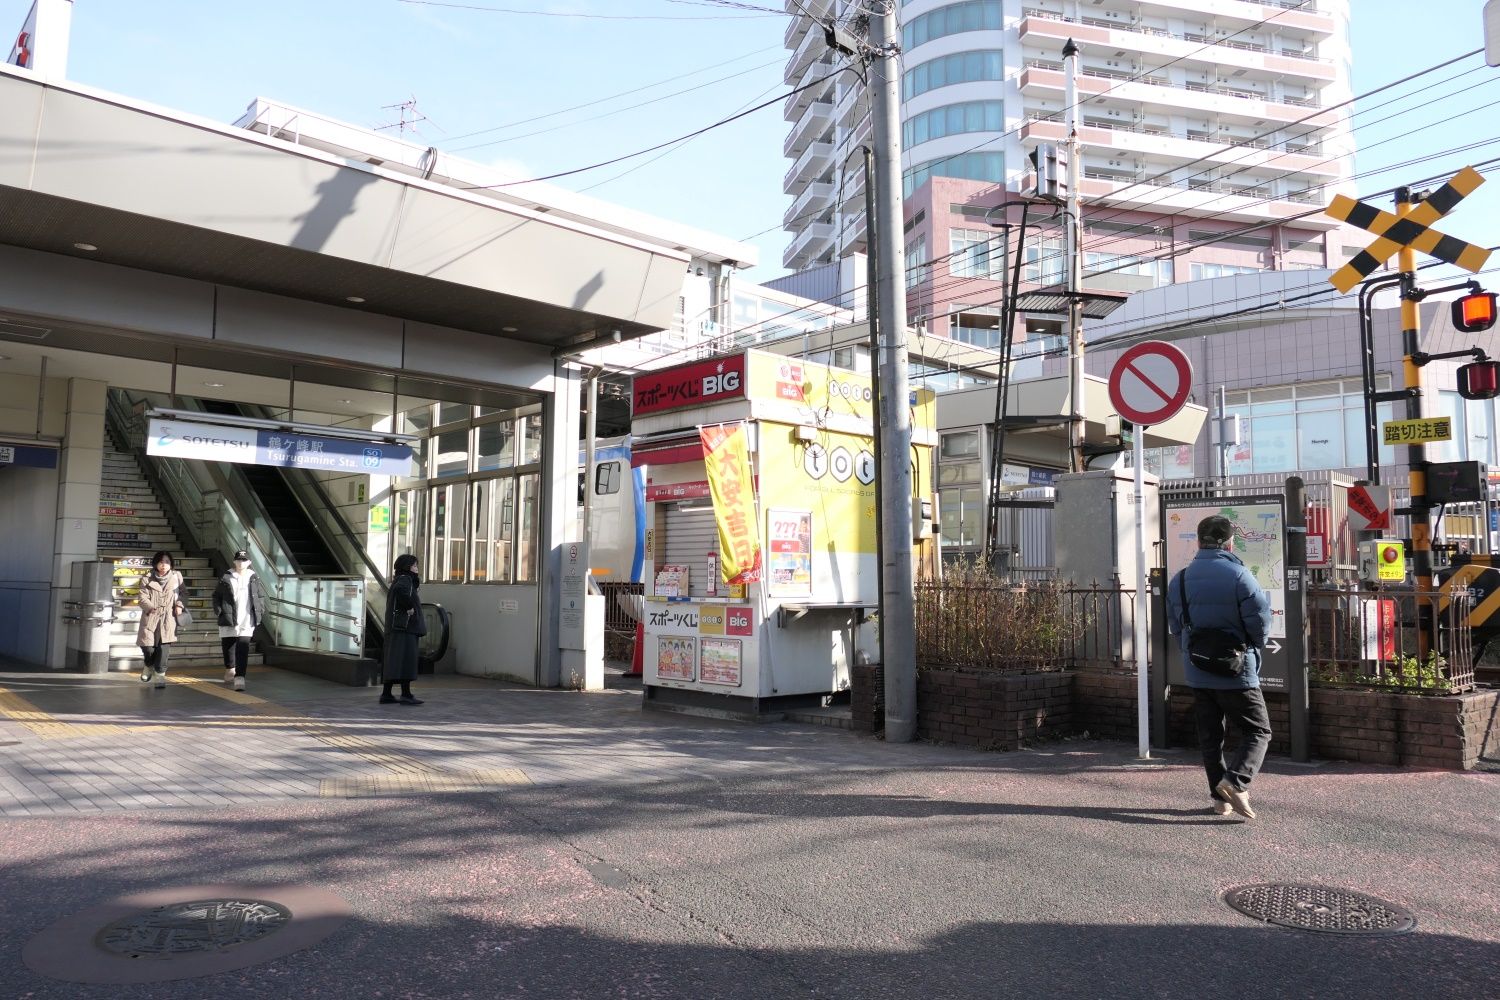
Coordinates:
[505,842]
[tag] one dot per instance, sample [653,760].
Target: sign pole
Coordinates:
[1142,674]
[1421,529]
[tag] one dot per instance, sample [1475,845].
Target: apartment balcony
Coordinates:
[819,9]
[1233,200]
[1049,32]
[808,167]
[797,26]
[807,246]
[851,194]
[816,199]
[811,49]
[853,233]
[853,106]
[1151,141]
[1238,14]
[1044,80]
[798,102]
[816,123]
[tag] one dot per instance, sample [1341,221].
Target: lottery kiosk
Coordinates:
[761,570]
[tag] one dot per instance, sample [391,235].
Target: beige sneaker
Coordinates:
[228,675]
[1221,808]
[239,683]
[161,678]
[1239,801]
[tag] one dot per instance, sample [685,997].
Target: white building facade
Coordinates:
[1206,147]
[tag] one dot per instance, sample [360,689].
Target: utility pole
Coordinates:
[1077,462]
[898,622]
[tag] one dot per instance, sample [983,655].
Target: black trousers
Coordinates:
[1245,711]
[156,656]
[236,654]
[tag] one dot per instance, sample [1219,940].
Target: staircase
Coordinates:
[132,527]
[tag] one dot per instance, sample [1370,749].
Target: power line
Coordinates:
[661,145]
[720,64]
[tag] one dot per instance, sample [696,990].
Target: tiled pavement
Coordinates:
[85,744]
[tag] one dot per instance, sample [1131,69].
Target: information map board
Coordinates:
[1260,543]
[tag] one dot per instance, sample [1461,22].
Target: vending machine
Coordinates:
[761,569]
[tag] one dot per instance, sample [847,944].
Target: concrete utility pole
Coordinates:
[898,624]
[1074,223]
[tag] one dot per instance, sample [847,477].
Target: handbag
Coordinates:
[1214,651]
[185,619]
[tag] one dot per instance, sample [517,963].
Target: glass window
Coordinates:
[1273,443]
[526,554]
[971,15]
[607,478]
[449,413]
[1477,416]
[406,525]
[916,261]
[1320,440]
[1449,404]
[1044,262]
[531,440]
[954,473]
[495,446]
[451,456]
[965,166]
[494,531]
[955,119]
[416,421]
[976,253]
[960,444]
[448,533]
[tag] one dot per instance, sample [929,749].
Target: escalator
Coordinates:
[312,556]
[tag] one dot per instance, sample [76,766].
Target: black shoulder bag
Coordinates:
[1212,650]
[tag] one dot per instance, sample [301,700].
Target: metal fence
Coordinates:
[1018,627]
[1370,639]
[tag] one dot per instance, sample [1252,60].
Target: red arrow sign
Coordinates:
[1365,506]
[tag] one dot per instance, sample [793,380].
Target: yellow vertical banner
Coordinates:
[726,453]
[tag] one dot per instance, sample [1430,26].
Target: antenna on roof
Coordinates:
[408,117]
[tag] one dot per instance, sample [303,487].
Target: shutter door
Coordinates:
[691,536]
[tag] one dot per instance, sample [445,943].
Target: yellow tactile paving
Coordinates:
[457,781]
[50,727]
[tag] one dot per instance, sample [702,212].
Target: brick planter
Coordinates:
[1371,727]
[993,711]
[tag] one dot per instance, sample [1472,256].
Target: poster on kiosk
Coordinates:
[761,565]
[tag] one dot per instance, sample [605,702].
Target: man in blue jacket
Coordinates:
[1222,594]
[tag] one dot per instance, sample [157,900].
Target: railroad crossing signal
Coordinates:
[1413,230]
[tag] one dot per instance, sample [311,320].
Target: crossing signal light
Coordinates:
[1474,313]
[1479,380]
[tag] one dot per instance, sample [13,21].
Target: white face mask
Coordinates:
[241,565]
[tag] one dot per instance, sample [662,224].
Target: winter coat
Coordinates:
[404,596]
[1221,594]
[158,597]
[227,610]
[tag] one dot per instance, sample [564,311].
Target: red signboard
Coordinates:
[688,385]
[1150,383]
[741,621]
[677,491]
[1369,508]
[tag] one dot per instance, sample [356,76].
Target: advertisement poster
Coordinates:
[720,662]
[789,533]
[674,657]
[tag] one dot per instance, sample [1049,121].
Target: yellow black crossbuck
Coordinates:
[1412,230]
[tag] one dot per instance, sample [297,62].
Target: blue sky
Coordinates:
[473,70]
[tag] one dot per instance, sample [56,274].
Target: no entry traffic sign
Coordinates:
[1150,383]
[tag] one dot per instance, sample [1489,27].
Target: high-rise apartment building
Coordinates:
[1204,150]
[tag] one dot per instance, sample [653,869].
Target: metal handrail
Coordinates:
[314,607]
[316,625]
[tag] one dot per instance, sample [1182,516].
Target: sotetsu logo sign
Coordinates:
[689,385]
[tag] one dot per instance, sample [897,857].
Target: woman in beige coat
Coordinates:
[160,603]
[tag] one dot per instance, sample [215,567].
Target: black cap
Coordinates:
[241,556]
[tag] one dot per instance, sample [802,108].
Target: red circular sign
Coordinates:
[1150,383]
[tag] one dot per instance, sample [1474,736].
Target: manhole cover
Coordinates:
[184,932]
[1320,908]
[200,925]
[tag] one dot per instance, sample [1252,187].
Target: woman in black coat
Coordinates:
[404,626]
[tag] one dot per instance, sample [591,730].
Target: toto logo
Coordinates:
[850,391]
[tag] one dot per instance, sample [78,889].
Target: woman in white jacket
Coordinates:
[239,607]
